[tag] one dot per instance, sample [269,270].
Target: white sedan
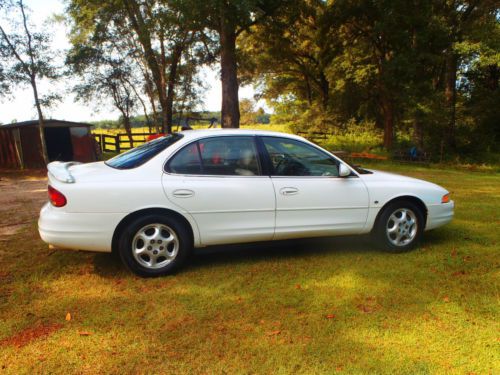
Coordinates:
[156,202]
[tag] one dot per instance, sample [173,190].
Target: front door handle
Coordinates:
[289,191]
[183,193]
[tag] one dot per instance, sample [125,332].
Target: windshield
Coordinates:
[141,154]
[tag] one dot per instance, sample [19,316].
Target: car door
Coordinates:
[311,198]
[218,180]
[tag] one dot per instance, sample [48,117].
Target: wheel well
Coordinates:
[148,211]
[408,198]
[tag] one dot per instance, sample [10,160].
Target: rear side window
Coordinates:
[186,161]
[141,154]
[217,156]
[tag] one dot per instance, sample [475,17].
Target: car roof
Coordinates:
[201,133]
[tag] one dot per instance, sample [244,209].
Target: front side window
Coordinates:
[141,154]
[294,158]
[217,156]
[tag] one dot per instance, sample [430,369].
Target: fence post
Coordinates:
[117,143]
[102,146]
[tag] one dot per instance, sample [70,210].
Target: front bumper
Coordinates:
[439,214]
[78,231]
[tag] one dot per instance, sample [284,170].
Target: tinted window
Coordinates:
[139,155]
[295,158]
[229,156]
[186,161]
[217,156]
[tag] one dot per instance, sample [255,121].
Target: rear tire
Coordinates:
[155,245]
[400,226]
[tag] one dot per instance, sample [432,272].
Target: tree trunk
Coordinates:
[418,130]
[41,127]
[308,90]
[172,77]
[325,91]
[143,104]
[152,101]
[157,71]
[388,118]
[450,93]
[128,128]
[159,80]
[230,111]
[493,77]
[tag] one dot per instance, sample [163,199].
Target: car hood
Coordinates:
[376,175]
[387,178]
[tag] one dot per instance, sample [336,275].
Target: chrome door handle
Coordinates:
[289,191]
[183,193]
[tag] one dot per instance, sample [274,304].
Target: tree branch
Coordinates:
[14,51]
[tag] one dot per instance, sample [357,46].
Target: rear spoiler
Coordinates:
[60,171]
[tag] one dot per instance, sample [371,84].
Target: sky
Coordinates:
[20,105]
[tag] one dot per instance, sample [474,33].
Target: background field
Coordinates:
[312,306]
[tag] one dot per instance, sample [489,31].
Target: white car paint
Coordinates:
[224,209]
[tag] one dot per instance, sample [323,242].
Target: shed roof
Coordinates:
[49,123]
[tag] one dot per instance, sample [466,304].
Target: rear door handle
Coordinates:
[289,191]
[183,193]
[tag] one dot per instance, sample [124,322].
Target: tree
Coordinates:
[105,76]
[228,19]
[247,111]
[29,58]
[4,82]
[155,34]
[460,18]
[289,54]
[343,60]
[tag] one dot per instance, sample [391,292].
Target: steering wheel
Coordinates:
[280,162]
[291,167]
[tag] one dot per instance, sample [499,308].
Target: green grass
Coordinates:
[264,308]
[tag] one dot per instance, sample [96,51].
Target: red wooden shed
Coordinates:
[20,144]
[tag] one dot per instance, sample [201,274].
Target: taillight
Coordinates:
[56,197]
[445,198]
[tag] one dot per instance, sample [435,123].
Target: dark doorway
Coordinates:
[59,145]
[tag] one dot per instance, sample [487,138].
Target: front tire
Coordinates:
[154,245]
[400,226]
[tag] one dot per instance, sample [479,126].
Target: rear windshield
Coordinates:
[141,154]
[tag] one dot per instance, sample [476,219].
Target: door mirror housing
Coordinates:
[344,170]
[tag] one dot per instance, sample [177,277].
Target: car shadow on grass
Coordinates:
[255,252]
[110,265]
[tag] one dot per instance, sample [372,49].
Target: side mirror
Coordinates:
[344,171]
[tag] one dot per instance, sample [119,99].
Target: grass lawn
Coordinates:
[311,306]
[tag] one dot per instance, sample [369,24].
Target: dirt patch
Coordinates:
[369,305]
[30,334]
[22,196]
[9,230]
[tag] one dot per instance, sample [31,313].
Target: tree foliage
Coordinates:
[429,67]
[26,57]
[152,33]
[422,73]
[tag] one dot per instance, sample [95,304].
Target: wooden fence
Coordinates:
[120,142]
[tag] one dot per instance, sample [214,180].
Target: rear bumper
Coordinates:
[439,215]
[78,231]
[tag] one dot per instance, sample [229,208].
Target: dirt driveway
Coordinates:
[22,194]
